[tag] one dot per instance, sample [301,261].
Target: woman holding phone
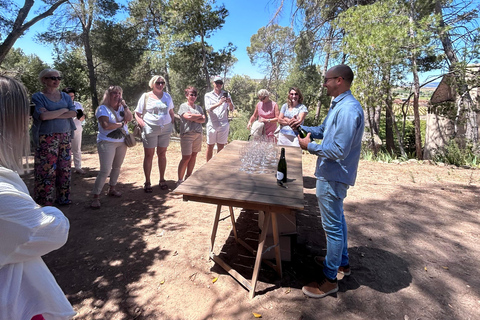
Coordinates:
[112,115]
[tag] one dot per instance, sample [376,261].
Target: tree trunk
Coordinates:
[416,92]
[376,119]
[167,78]
[325,69]
[205,69]
[91,68]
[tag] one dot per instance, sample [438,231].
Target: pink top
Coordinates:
[267,111]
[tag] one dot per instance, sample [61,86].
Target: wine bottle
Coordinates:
[282,168]
[302,133]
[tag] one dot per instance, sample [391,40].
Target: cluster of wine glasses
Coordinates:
[259,156]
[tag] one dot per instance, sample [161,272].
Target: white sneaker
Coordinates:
[179,182]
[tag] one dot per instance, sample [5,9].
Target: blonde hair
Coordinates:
[154,79]
[106,96]
[14,113]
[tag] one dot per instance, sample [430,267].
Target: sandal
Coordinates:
[95,203]
[147,188]
[163,185]
[114,193]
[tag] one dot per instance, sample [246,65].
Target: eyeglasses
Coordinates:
[54,78]
[160,83]
[192,94]
[326,79]
[294,94]
[218,82]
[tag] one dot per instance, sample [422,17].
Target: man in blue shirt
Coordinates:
[336,170]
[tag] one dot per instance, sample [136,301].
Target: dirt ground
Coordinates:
[413,242]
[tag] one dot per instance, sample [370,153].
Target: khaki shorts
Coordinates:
[190,142]
[156,136]
[219,135]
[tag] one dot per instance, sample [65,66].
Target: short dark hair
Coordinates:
[69,90]
[190,89]
[344,71]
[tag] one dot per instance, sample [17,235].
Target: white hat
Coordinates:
[217,78]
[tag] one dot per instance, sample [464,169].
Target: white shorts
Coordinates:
[219,135]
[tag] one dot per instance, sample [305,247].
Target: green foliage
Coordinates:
[238,127]
[24,68]
[409,136]
[456,155]
[73,66]
[244,92]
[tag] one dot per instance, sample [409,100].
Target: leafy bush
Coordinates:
[238,126]
[458,156]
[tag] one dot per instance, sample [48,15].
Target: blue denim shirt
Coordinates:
[342,132]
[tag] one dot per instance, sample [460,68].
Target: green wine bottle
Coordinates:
[302,133]
[282,168]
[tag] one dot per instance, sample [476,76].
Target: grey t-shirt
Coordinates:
[186,125]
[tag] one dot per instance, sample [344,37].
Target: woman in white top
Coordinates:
[154,113]
[113,116]
[292,109]
[27,231]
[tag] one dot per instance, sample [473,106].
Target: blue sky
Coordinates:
[244,20]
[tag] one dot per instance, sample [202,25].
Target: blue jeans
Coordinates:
[330,195]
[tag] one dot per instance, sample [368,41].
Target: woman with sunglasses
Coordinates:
[293,109]
[28,231]
[267,113]
[113,116]
[191,119]
[154,113]
[52,132]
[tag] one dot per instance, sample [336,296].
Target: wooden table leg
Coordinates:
[232,218]
[258,259]
[276,242]
[215,227]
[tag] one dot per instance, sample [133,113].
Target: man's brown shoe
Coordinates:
[315,290]
[344,271]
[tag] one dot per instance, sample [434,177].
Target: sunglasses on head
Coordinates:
[54,78]
[160,83]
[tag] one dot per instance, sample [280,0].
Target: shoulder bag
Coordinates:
[137,130]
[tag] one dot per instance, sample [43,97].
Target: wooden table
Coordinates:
[221,182]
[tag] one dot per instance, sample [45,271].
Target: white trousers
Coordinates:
[77,148]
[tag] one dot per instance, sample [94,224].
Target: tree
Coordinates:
[197,18]
[24,68]
[73,27]
[462,18]
[16,28]
[272,49]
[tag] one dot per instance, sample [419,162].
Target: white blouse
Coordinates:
[28,231]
